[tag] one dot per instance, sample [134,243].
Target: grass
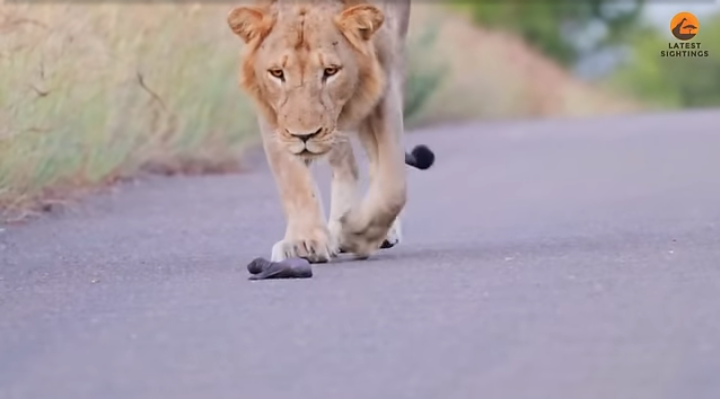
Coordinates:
[120,88]
[91,94]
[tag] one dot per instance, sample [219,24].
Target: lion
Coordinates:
[318,70]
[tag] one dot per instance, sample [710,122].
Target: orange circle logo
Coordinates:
[684,26]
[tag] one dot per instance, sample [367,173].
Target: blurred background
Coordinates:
[95,92]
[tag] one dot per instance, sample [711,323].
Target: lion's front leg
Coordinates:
[344,192]
[344,185]
[394,235]
[306,235]
[367,225]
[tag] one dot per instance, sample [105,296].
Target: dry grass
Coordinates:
[90,94]
[93,93]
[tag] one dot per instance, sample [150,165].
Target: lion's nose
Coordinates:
[306,136]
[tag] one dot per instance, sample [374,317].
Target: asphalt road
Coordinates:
[557,259]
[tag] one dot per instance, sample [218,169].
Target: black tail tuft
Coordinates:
[420,157]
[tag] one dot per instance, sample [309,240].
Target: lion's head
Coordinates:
[311,68]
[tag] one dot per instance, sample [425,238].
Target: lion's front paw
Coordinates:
[335,229]
[393,237]
[318,247]
[362,235]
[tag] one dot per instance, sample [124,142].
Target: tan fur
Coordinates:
[321,69]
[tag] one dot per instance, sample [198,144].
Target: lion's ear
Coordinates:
[247,22]
[363,20]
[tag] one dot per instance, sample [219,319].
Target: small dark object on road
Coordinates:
[263,269]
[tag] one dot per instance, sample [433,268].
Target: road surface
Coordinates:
[574,259]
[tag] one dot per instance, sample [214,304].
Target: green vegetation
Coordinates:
[425,74]
[673,82]
[669,82]
[549,25]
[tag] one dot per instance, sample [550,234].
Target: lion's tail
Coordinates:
[420,157]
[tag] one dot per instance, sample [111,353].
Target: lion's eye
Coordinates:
[330,71]
[277,73]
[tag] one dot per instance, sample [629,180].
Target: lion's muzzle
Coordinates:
[305,137]
[310,143]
